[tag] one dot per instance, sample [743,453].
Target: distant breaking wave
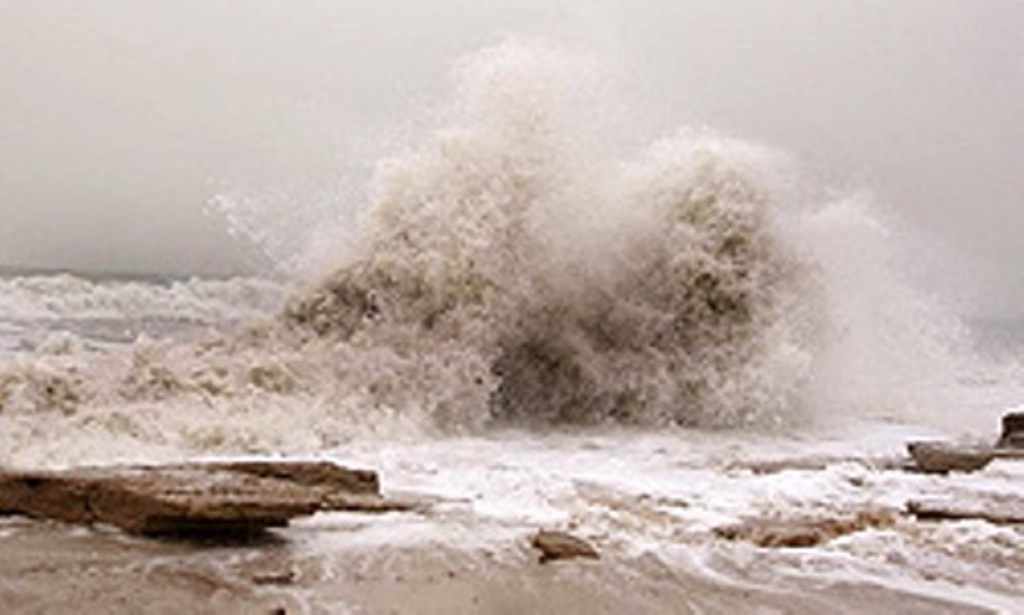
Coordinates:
[66,296]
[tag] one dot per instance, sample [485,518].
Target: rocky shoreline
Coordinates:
[247,497]
[213,536]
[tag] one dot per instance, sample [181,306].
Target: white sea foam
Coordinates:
[58,313]
[511,270]
[57,297]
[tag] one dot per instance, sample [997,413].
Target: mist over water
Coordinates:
[122,122]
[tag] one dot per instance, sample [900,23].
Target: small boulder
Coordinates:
[554,545]
[935,457]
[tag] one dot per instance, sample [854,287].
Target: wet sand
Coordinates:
[52,568]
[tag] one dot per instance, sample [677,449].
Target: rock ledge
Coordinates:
[216,498]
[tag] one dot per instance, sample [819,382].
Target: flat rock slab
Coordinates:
[306,473]
[1003,510]
[203,498]
[939,457]
[817,463]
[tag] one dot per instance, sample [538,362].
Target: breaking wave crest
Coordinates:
[693,313]
[513,269]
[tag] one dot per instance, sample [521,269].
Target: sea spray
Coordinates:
[890,349]
[512,269]
[654,292]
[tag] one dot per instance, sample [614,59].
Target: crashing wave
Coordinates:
[512,270]
[655,292]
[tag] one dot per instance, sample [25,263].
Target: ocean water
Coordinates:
[544,329]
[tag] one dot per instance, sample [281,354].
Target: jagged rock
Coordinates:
[554,545]
[1013,431]
[801,532]
[203,498]
[994,509]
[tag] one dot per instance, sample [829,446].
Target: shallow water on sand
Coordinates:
[649,503]
[48,569]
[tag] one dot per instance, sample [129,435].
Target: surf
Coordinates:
[516,265]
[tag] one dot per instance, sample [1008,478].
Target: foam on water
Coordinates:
[66,296]
[515,266]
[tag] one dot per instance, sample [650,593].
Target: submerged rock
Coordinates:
[994,509]
[223,498]
[554,545]
[802,532]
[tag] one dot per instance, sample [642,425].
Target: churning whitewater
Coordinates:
[513,269]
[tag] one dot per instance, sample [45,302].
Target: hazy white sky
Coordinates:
[120,118]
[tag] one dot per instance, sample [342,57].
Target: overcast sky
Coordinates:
[120,118]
